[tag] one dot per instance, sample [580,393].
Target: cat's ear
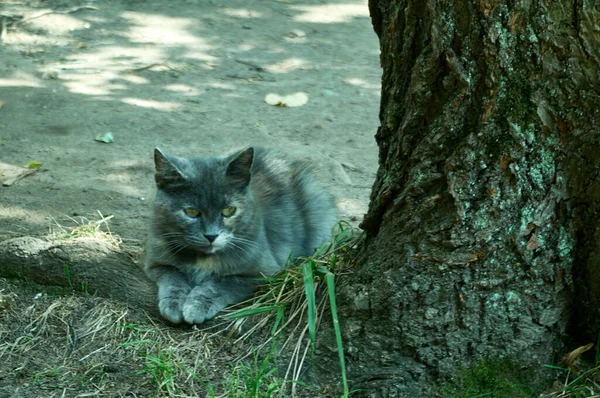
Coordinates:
[166,172]
[238,169]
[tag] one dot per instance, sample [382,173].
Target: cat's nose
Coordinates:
[211,238]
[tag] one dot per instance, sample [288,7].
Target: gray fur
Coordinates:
[281,211]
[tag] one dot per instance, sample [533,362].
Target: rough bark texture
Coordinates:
[482,231]
[88,264]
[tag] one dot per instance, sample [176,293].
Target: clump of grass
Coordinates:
[491,377]
[303,291]
[84,228]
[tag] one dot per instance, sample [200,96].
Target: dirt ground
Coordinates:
[189,77]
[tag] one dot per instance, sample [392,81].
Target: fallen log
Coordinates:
[93,265]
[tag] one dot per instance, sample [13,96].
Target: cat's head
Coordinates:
[204,204]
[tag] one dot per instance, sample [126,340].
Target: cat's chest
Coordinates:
[210,264]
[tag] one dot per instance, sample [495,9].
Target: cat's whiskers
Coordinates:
[239,251]
[245,242]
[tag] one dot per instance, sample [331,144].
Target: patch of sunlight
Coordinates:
[331,13]
[19,212]
[246,47]
[107,64]
[200,56]
[242,13]
[116,58]
[356,81]
[352,206]
[222,86]
[121,183]
[19,83]
[158,105]
[129,163]
[159,29]
[58,24]
[184,89]
[134,79]
[90,84]
[32,40]
[288,65]
[21,79]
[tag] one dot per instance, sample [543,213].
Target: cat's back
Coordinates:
[298,212]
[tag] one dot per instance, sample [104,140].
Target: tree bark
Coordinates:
[482,237]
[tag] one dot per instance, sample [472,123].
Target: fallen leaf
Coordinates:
[533,242]
[107,138]
[576,353]
[81,45]
[10,174]
[33,164]
[289,101]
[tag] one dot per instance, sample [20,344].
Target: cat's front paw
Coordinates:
[171,309]
[200,308]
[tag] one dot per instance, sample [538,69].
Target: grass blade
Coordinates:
[309,289]
[252,311]
[330,280]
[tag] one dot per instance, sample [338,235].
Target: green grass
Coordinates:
[305,290]
[492,378]
[161,367]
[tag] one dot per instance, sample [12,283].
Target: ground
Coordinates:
[191,78]
[67,78]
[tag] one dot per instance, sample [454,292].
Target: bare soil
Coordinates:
[189,77]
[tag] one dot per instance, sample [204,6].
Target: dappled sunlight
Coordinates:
[160,29]
[91,84]
[242,13]
[158,105]
[246,47]
[356,81]
[115,58]
[15,212]
[222,86]
[331,13]
[352,206]
[79,78]
[21,79]
[59,24]
[120,183]
[288,65]
[134,79]
[184,89]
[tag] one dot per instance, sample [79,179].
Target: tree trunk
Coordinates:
[482,231]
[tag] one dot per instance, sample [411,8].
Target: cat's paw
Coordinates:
[200,308]
[171,309]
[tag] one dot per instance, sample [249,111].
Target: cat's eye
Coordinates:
[192,212]
[228,211]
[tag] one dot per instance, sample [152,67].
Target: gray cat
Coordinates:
[222,222]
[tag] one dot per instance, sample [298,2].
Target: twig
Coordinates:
[135,70]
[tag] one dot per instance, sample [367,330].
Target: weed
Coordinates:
[68,275]
[162,368]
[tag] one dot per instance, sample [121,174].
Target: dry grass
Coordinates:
[73,345]
[82,227]
[54,342]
